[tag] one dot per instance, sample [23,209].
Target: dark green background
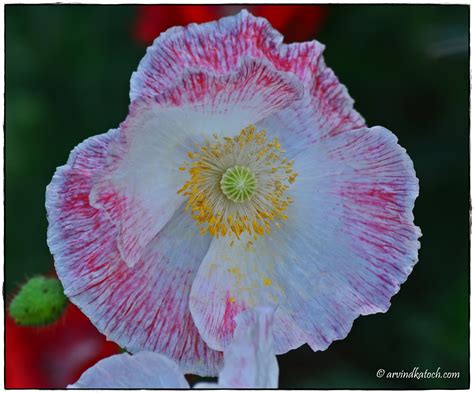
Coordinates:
[407,67]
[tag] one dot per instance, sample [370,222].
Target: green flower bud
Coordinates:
[40,301]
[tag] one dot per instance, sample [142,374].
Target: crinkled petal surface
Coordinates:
[138,186]
[249,361]
[141,308]
[219,47]
[127,254]
[348,244]
[145,370]
[123,209]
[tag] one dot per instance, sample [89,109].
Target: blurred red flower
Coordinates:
[296,22]
[53,356]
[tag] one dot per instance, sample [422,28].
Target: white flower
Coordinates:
[242,177]
[249,362]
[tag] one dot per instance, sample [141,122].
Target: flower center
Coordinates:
[238,183]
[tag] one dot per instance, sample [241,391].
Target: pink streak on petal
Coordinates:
[140,308]
[249,360]
[220,46]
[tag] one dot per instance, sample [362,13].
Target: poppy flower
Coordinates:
[53,356]
[296,22]
[242,177]
[249,362]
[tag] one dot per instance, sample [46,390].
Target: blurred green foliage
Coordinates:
[407,67]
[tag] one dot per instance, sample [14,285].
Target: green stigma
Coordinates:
[238,183]
[40,301]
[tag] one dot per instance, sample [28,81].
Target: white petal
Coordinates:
[145,370]
[206,385]
[220,46]
[232,279]
[138,188]
[348,244]
[249,361]
[141,308]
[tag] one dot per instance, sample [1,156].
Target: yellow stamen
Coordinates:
[212,201]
